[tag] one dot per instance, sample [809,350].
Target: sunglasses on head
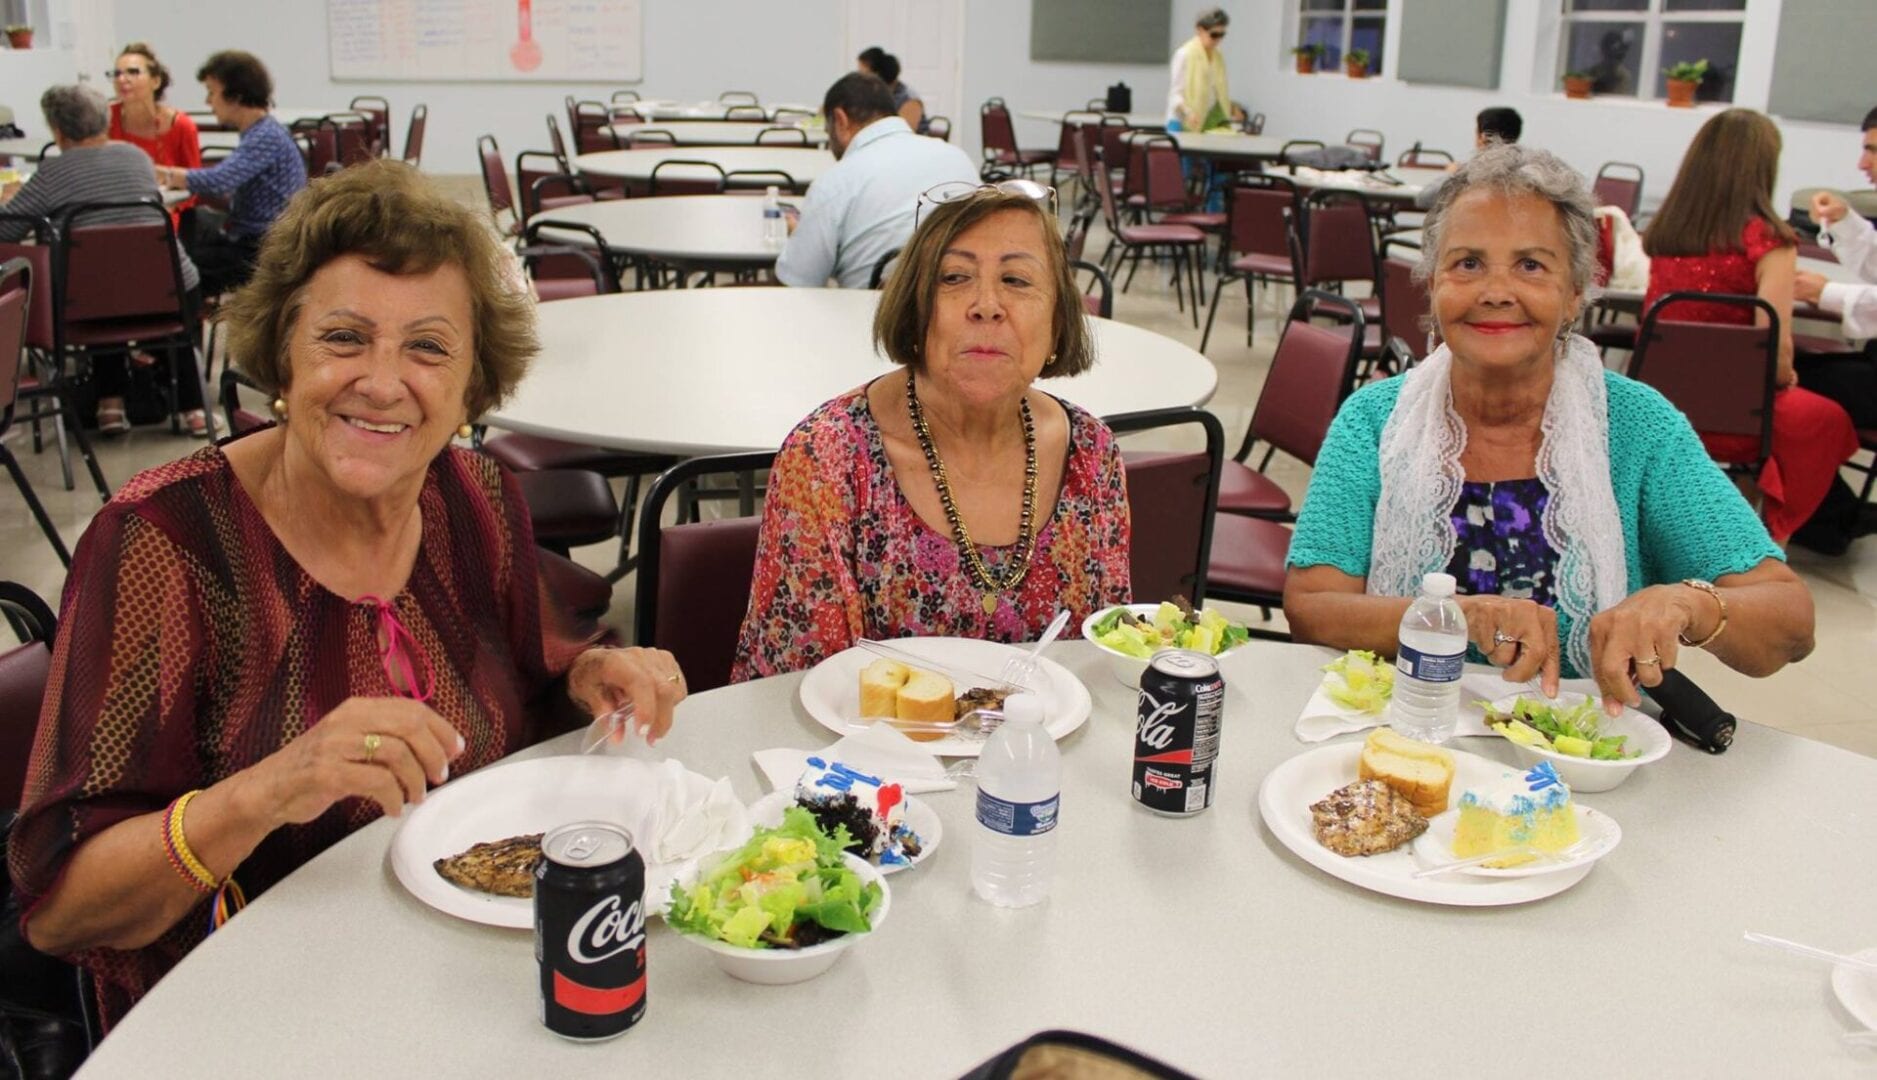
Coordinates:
[1215,34]
[115,73]
[953,190]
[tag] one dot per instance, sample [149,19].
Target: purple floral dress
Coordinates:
[1502,549]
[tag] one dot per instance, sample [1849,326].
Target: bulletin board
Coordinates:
[485,40]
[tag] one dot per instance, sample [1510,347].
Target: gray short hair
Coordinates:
[1511,169]
[76,112]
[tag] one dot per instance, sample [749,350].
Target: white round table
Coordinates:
[700,110]
[1200,941]
[1229,147]
[702,371]
[803,166]
[1134,120]
[1374,185]
[720,132]
[692,232]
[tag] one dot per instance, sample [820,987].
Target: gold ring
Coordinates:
[373,741]
[675,679]
[1650,660]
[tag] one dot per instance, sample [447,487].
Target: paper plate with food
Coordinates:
[889,828]
[1590,749]
[1354,809]
[470,848]
[928,688]
[1132,633]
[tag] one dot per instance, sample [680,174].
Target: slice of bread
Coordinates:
[927,698]
[879,688]
[1421,772]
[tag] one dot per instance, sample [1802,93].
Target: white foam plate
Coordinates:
[766,813]
[1857,990]
[1597,831]
[1284,803]
[831,689]
[527,797]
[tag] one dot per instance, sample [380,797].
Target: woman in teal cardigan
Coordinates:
[1588,530]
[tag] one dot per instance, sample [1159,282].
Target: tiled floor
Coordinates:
[1825,697]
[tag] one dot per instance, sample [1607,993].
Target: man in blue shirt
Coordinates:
[862,209]
[258,178]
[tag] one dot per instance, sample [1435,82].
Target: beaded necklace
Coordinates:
[1026,536]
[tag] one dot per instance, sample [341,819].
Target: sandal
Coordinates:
[142,359]
[112,421]
[196,422]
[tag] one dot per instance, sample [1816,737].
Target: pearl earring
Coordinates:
[280,408]
[464,431]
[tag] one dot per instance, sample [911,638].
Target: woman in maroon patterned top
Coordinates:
[268,644]
[1717,232]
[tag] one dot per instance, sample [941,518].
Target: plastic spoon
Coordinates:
[1814,952]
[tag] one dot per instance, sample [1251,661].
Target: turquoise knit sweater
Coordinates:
[1682,517]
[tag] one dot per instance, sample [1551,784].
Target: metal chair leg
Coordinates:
[39,511]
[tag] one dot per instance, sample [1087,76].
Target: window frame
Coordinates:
[1653,20]
[1347,16]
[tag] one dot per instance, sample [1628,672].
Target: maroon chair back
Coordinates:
[1722,375]
[1367,140]
[414,135]
[592,128]
[1172,497]
[118,271]
[39,257]
[782,136]
[495,178]
[1134,180]
[378,111]
[1404,303]
[1114,143]
[322,145]
[1087,123]
[1255,224]
[16,299]
[241,419]
[24,671]
[1165,183]
[1619,184]
[355,138]
[1310,373]
[1421,157]
[561,268]
[1000,137]
[1338,242]
[687,177]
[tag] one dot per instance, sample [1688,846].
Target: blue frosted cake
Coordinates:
[873,812]
[1517,814]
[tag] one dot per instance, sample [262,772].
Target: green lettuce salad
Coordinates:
[1575,731]
[1173,625]
[787,888]
[1361,680]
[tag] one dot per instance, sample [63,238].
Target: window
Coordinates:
[1625,45]
[1341,25]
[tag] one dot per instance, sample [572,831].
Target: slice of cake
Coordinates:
[1519,814]
[873,812]
[1422,772]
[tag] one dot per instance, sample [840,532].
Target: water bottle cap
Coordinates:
[771,191]
[1023,707]
[1437,585]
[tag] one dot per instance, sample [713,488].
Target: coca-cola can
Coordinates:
[1176,732]
[589,931]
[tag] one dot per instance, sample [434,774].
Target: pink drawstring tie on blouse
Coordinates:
[402,655]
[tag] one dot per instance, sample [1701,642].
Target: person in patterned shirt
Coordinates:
[901,507]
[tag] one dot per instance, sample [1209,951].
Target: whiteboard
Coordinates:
[485,40]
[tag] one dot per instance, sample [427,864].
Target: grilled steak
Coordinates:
[1365,818]
[503,867]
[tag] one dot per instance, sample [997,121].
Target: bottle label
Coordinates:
[1017,818]
[1429,667]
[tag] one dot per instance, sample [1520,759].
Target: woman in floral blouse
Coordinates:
[951,497]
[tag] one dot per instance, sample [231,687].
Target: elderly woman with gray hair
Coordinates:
[1588,531]
[90,168]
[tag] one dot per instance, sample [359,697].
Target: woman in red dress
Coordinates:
[140,118]
[1717,232]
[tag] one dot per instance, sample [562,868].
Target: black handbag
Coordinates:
[1120,98]
[1048,1055]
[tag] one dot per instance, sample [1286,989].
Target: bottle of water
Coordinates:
[1426,703]
[774,231]
[1019,789]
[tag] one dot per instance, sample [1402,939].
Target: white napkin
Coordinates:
[880,750]
[693,816]
[1323,718]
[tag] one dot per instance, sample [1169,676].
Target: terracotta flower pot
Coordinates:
[1681,93]
[1355,69]
[1578,88]
[1306,64]
[20,39]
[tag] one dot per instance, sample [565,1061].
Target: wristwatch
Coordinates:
[1709,588]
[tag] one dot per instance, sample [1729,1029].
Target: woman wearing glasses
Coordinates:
[140,118]
[1198,99]
[950,497]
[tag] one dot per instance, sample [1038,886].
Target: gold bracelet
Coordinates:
[1706,587]
[178,846]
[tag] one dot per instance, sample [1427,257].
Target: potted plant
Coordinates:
[1577,84]
[1307,56]
[1356,64]
[20,37]
[1682,80]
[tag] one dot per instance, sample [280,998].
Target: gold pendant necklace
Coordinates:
[1026,535]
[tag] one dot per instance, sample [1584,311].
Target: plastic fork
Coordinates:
[1568,854]
[975,725]
[1020,671]
[607,727]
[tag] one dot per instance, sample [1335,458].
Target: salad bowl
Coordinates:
[1648,741]
[1127,668]
[780,967]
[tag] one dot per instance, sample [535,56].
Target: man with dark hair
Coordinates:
[1850,381]
[1497,124]
[258,178]
[862,209]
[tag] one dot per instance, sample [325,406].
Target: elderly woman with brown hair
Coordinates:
[268,644]
[951,497]
[1586,527]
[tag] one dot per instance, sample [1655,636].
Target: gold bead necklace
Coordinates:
[1026,535]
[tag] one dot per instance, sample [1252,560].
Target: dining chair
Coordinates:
[46,386]
[877,279]
[378,111]
[1100,302]
[940,128]
[1367,140]
[1182,244]
[1067,161]
[24,671]
[1254,123]
[1423,157]
[1172,496]
[16,289]
[591,124]
[787,117]
[1405,302]
[757,181]
[580,591]
[241,419]
[569,508]
[687,177]
[1619,184]
[414,136]
[1255,247]
[695,576]
[1286,154]
[747,113]
[782,136]
[1001,153]
[1722,376]
[1336,237]
[738,97]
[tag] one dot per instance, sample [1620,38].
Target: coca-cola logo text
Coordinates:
[606,931]
[1153,729]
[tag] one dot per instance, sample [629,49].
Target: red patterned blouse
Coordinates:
[843,556]
[191,645]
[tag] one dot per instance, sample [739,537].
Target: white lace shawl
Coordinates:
[1421,477]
